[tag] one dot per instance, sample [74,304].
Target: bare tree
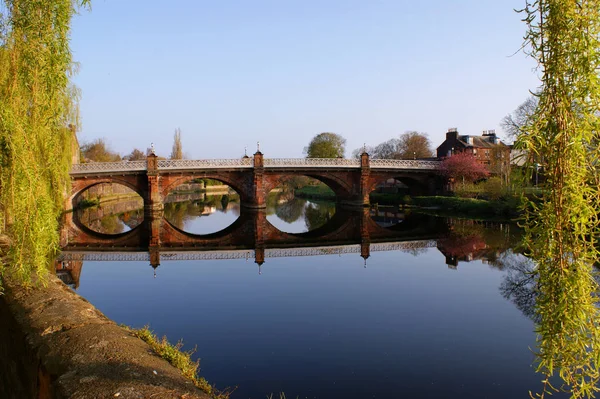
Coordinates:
[177,151]
[410,145]
[513,123]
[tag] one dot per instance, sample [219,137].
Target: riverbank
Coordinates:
[503,209]
[319,192]
[55,344]
[105,199]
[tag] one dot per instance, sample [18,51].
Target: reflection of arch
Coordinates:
[112,180]
[114,239]
[339,222]
[211,236]
[416,185]
[235,185]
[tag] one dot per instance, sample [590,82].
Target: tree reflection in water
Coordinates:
[179,212]
[292,209]
[107,220]
[563,304]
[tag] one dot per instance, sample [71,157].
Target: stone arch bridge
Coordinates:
[253,178]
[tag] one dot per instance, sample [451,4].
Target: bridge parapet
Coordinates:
[186,164]
[108,167]
[403,164]
[311,162]
[170,255]
[189,164]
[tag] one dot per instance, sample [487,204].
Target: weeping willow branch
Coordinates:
[37,104]
[561,233]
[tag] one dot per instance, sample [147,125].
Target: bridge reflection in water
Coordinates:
[252,237]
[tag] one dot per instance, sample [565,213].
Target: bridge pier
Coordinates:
[360,198]
[257,197]
[154,201]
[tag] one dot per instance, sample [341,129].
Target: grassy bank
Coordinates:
[95,201]
[321,192]
[178,358]
[501,209]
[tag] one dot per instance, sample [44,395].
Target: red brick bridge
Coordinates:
[352,180]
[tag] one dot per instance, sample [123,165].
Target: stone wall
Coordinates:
[55,344]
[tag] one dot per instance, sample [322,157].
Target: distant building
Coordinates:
[487,148]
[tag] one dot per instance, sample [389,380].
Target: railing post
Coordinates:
[153,201]
[257,195]
[365,236]
[365,173]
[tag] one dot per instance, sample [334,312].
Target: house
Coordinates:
[487,148]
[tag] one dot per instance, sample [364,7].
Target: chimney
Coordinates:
[452,134]
[491,135]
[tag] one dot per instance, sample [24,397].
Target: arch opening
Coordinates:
[391,199]
[300,204]
[109,208]
[201,206]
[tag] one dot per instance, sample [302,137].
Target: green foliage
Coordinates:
[37,105]
[88,203]
[561,231]
[182,360]
[326,145]
[319,191]
[505,208]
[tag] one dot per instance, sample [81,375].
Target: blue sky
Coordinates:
[231,73]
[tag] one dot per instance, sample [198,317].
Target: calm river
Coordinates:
[438,309]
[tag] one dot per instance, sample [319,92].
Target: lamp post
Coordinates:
[414,155]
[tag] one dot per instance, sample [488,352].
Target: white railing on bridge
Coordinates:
[403,164]
[107,167]
[311,163]
[275,163]
[175,164]
[245,254]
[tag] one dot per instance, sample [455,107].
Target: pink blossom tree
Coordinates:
[463,166]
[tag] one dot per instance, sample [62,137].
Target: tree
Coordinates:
[367,148]
[464,167]
[413,145]
[410,145]
[562,226]
[177,151]
[37,104]
[326,145]
[98,151]
[515,122]
[135,155]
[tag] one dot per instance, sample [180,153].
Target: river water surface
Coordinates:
[450,317]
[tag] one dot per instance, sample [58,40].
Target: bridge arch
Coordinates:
[341,187]
[82,185]
[417,184]
[172,182]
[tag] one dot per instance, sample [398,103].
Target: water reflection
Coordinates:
[297,215]
[200,213]
[471,323]
[114,217]
[405,324]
